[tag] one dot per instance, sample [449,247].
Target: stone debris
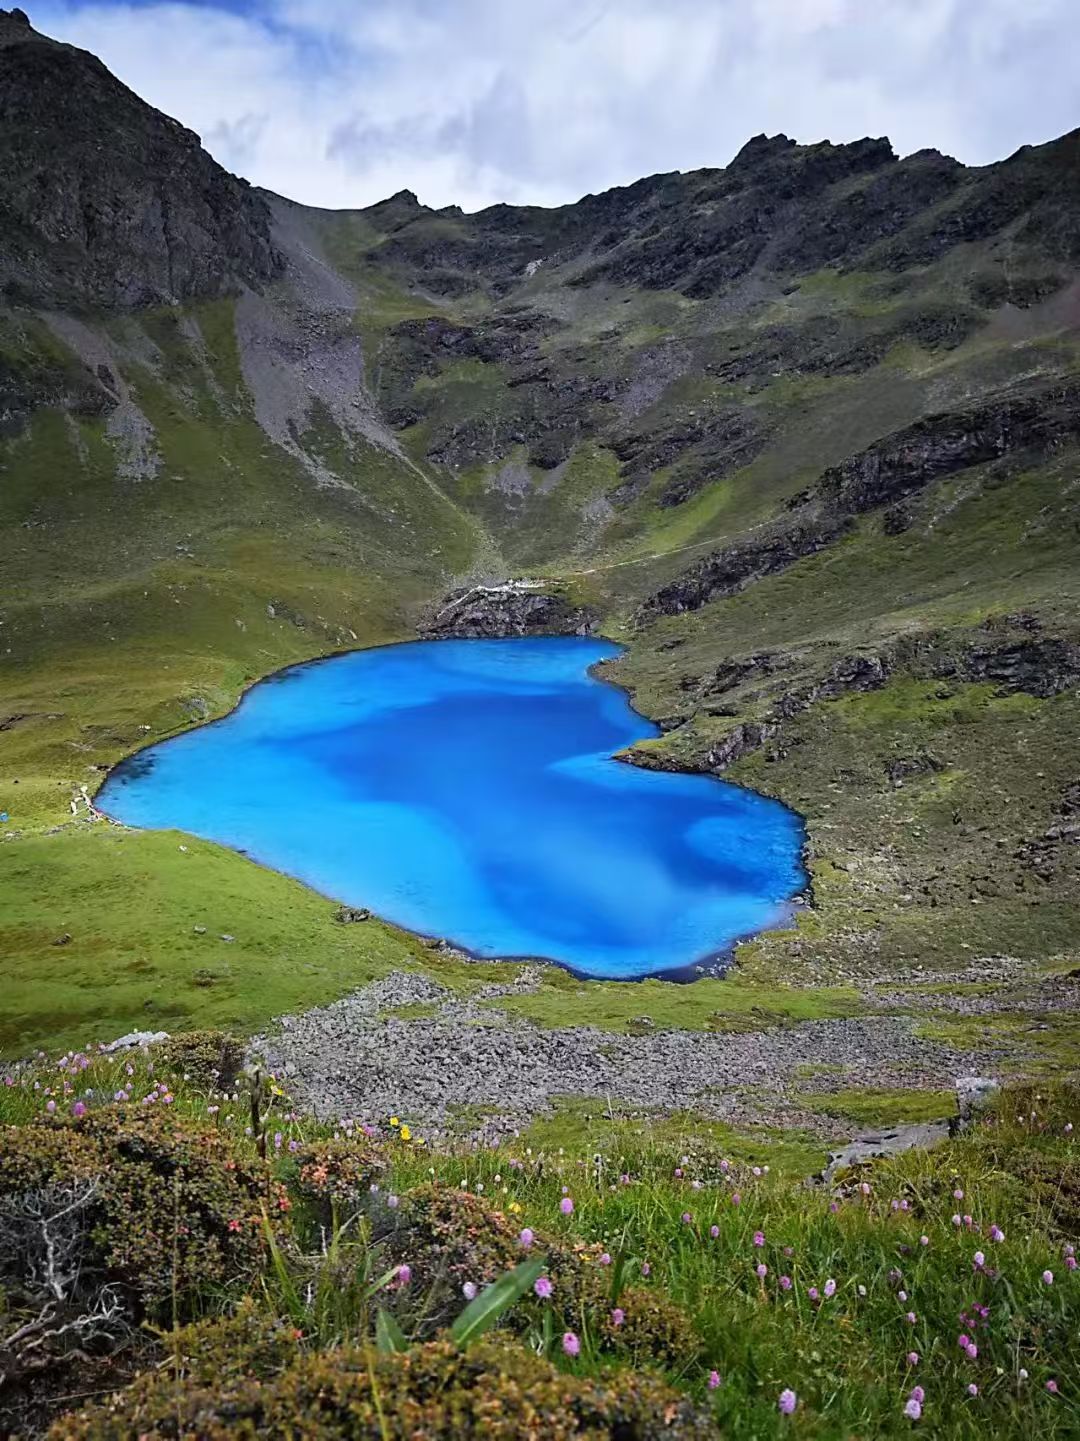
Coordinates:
[356,1058]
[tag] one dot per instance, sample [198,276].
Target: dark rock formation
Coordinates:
[730,570]
[909,459]
[1042,667]
[831,345]
[104,200]
[1022,419]
[508,610]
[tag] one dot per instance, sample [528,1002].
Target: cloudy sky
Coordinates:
[342,102]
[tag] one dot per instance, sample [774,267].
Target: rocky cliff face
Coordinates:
[489,611]
[1029,420]
[128,209]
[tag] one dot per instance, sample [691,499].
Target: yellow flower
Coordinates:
[515,1208]
[394,1121]
[406,1134]
[420,1141]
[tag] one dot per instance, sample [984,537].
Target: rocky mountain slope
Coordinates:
[804,431]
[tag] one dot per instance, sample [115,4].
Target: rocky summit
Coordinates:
[801,431]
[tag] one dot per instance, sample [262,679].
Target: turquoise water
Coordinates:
[467,789]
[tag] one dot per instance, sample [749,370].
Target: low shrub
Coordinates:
[454,1236]
[334,1177]
[650,1331]
[165,1210]
[434,1391]
[211,1060]
[250,1344]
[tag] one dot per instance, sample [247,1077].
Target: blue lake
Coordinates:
[467,789]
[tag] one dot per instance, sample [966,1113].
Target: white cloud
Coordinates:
[342,102]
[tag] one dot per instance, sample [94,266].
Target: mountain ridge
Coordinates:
[800,431]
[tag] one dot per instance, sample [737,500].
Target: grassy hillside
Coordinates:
[280,462]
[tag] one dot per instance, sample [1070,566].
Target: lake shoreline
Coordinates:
[711,963]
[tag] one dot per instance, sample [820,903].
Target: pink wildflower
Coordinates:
[1052,1386]
[759,1238]
[404,1275]
[1048,1278]
[50,1107]
[913,1358]
[686,1218]
[543,1287]
[618,1316]
[469,1290]
[570,1343]
[971,1350]
[787,1401]
[973,1390]
[526,1238]
[996,1233]
[714,1380]
[762,1270]
[566,1206]
[714,1231]
[919,1394]
[830,1287]
[979,1260]
[913,1408]
[78,1110]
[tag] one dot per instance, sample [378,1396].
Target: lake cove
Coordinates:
[467,789]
